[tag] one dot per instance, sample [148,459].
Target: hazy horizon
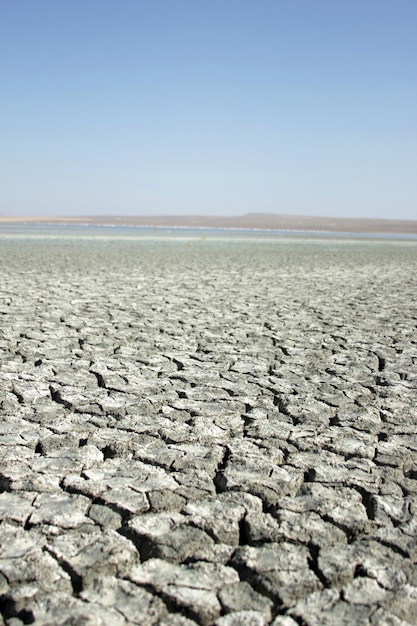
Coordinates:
[133,215]
[227,108]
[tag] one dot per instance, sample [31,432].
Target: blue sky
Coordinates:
[208,107]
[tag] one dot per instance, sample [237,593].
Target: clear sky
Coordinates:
[217,107]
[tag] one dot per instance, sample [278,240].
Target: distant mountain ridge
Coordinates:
[273,221]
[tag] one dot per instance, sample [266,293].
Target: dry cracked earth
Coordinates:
[208,432]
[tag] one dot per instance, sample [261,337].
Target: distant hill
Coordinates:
[250,221]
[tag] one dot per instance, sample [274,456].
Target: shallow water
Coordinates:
[68,231]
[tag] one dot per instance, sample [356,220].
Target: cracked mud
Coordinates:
[208,432]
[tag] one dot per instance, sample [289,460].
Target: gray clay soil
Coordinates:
[208,432]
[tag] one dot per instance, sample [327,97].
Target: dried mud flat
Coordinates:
[208,432]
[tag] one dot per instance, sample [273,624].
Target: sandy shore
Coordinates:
[249,221]
[208,432]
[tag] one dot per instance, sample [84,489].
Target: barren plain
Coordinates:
[266,221]
[209,432]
